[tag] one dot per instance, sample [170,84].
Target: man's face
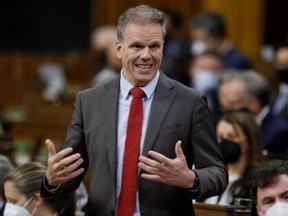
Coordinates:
[140,52]
[232,95]
[278,192]
[205,63]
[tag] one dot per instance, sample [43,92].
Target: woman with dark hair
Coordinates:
[238,135]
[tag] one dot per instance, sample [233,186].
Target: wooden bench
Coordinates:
[202,209]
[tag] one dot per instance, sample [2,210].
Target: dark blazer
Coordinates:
[177,113]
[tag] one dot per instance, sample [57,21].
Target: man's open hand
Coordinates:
[162,169]
[62,166]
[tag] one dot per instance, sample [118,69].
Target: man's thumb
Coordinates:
[178,150]
[50,147]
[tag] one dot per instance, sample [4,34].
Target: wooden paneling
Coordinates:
[106,12]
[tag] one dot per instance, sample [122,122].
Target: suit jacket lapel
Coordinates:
[163,98]
[111,118]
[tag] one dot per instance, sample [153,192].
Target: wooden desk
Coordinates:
[202,209]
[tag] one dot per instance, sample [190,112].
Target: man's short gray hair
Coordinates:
[257,86]
[142,14]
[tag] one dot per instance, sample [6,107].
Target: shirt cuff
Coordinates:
[195,189]
[49,188]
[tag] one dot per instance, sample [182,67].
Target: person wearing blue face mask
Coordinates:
[205,71]
[15,210]
[22,191]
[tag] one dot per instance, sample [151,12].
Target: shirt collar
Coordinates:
[283,88]
[264,112]
[126,86]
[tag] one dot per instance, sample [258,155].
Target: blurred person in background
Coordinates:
[53,79]
[5,168]
[22,188]
[251,91]
[239,138]
[232,92]
[205,72]
[6,138]
[103,42]
[269,188]
[274,127]
[176,48]
[209,31]
[280,106]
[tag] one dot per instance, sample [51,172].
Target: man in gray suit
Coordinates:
[178,158]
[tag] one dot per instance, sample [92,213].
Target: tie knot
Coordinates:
[137,92]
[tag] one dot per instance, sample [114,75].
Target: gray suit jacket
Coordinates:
[177,113]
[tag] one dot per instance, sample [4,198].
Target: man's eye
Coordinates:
[154,46]
[268,201]
[285,197]
[136,46]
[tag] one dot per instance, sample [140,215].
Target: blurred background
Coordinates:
[50,49]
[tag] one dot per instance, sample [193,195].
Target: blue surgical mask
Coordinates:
[198,47]
[15,210]
[205,80]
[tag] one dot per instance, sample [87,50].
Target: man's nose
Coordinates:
[146,55]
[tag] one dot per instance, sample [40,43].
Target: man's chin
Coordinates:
[144,79]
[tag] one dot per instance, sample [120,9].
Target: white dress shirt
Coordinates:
[125,100]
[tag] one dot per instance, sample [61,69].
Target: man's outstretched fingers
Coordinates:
[160,157]
[66,162]
[62,154]
[71,168]
[72,175]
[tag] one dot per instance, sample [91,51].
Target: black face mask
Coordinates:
[282,75]
[231,150]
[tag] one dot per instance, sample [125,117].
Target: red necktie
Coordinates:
[127,198]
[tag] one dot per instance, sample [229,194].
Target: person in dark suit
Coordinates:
[153,168]
[209,31]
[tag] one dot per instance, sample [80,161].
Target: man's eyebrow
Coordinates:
[135,43]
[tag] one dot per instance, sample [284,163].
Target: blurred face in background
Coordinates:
[140,52]
[282,65]
[232,132]
[232,95]
[12,194]
[205,72]
[202,41]
[273,199]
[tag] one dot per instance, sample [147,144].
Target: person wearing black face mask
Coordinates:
[239,139]
[231,151]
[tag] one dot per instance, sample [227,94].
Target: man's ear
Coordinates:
[119,47]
